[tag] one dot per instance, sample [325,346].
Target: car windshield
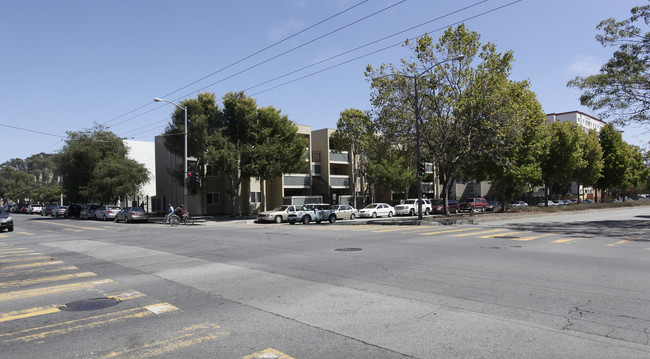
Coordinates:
[370,206]
[281,208]
[113,207]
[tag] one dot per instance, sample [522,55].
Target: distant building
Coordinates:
[144,153]
[587,122]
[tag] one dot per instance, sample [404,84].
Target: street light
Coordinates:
[417,121]
[185,154]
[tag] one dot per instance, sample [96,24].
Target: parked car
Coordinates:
[34,208]
[312,212]
[472,205]
[550,203]
[60,211]
[344,211]
[132,214]
[588,201]
[88,212]
[49,210]
[375,210]
[73,210]
[492,205]
[410,207]
[106,212]
[278,214]
[437,206]
[6,222]
[518,204]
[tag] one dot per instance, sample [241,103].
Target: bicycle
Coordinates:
[174,220]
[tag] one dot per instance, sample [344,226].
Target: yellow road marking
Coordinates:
[29,293]
[39,271]
[503,234]
[3,235]
[565,240]
[477,233]
[27,233]
[73,230]
[58,278]
[35,264]
[40,333]
[70,225]
[19,254]
[619,242]
[530,238]
[399,228]
[23,258]
[177,340]
[269,353]
[447,231]
[27,313]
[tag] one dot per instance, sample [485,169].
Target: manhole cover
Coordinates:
[89,304]
[348,249]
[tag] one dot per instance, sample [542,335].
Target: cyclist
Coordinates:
[181,213]
[169,213]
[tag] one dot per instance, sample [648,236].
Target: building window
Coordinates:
[213,198]
[256,197]
[211,171]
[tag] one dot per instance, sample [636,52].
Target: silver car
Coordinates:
[278,214]
[107,212]
[375,210]
[344,211]
[132,214]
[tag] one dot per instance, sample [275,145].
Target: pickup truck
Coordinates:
[472,205]
[313,212]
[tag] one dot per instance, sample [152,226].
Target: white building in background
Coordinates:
[144,153]
[585,121]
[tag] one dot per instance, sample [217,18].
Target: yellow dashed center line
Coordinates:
[619,242]
[447,231]
[70,225]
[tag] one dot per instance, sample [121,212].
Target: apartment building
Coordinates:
[587,122]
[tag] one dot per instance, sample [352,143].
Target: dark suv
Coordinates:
[472,205]
[73,210]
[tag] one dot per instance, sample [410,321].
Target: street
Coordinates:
[568,284]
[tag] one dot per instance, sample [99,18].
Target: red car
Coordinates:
[437,206]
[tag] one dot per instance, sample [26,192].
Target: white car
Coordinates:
[518,204]
[278,215]
[375,210]
[550,203]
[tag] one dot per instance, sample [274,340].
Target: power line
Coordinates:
[34,131]
[243,59]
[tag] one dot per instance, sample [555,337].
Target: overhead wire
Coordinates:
[245,58]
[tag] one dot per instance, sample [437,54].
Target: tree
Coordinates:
[203,116]
[614,158]
[451,98]
[15,182]
[94,166]
[622,88]
[591,168]
[354,133]
[565,155]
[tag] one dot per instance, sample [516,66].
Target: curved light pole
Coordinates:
[185,153]
[417,121]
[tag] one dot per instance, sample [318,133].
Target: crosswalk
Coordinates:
[44,300]
[29,281]
[483,233]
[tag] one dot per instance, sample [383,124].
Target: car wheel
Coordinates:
[117,220]
[278,219]
[305,220]
[104,218]
[126,219]
[352,216]
[412,212]
[390,214]
[332,219]
[426,212]
[374,214]
[456,211]
[10,228]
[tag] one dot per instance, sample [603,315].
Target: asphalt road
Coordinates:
[570,285]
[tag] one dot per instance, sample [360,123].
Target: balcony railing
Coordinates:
[339,157]
[297,181]
[339,181]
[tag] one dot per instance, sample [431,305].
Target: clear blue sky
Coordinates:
[66,65]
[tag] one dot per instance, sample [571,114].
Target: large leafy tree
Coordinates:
[621,90]
[15,182]
[452,102]
[564,157]
[615,159]
[47,187]
[94,166]
[354,133]
[591,168]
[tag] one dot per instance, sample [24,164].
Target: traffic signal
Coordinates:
[190,178]
[421,169]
